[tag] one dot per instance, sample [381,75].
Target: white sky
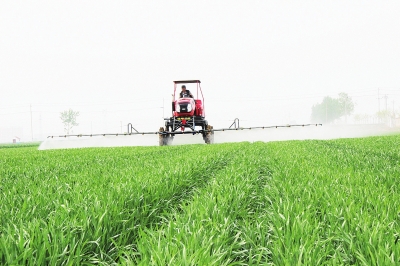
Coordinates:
[265,62]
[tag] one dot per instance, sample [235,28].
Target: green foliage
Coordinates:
[346,104]
[332,108]
[279,203]
[68,118]
[19,145]
[383,114]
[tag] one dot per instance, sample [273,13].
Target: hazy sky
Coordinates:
[265,62]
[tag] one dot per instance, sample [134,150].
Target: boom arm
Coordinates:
[130,132]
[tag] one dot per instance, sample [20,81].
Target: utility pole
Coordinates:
[379,102]
[30,107]
[386,110]
[386,97]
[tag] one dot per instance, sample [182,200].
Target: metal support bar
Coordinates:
[265,127]
[130,128]
[236,123]
[183,132]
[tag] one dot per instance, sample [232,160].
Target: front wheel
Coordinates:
[164,139]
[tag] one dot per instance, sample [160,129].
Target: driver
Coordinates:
[185,93]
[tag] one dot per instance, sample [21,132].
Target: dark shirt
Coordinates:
[185,94]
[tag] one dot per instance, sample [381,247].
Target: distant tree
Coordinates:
[332,108]
[325,112]
[68,118]
[346,104]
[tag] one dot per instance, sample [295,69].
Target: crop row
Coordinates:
[66,207]
[277,203]
[290,203]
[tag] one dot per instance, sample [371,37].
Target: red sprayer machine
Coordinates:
[188,117]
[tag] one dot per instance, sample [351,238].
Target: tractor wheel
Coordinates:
[209,139]
[165,139]
[161,137]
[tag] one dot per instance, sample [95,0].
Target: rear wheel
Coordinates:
[209,138]
[161,137]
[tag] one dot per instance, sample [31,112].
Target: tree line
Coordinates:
[331,108]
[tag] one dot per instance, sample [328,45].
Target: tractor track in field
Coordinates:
[186,191]
[242,207]
[182,197]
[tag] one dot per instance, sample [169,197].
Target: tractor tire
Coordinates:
[209,138]
[165,139]
[161,137]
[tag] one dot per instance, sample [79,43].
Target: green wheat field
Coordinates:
[313,202]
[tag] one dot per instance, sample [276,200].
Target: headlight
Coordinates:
[178,108]
[189,107]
